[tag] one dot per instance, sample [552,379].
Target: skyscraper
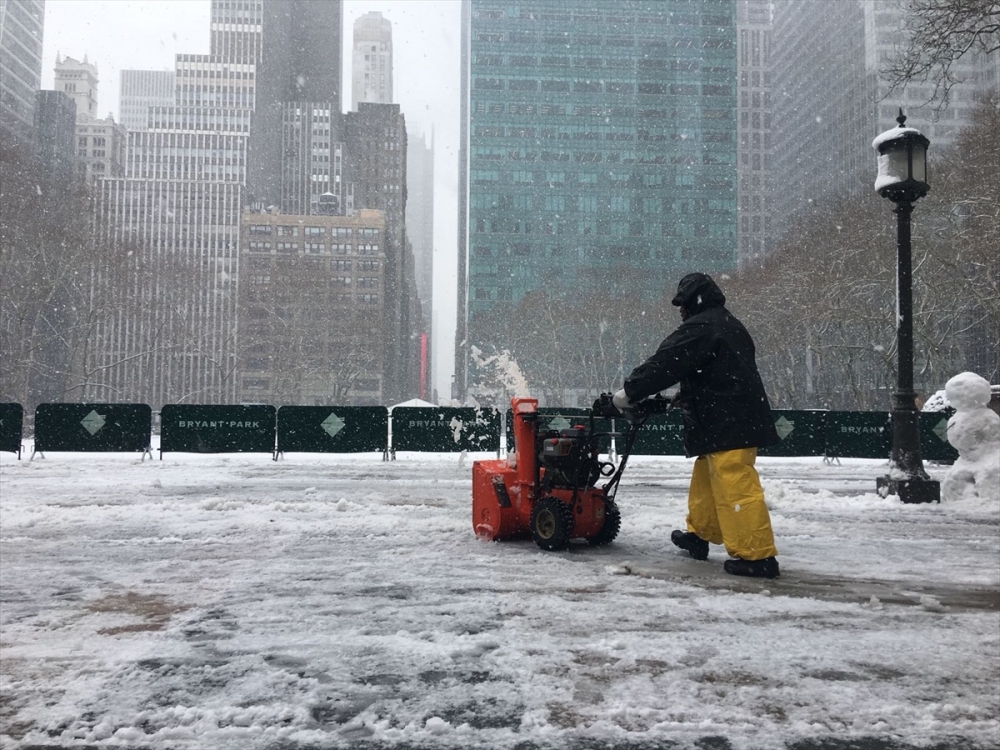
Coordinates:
[420,232]
[299,62]
[140,90]
[55,135]
[601,142]
[255,125]
[21,26]
[371,70]
[181,202]
[753,128]
[375,147]
[312,158]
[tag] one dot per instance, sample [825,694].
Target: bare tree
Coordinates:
[822,307]
[58,285]
[941,32]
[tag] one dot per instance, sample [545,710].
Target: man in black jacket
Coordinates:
[726,418]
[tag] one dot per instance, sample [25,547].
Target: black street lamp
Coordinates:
[902,178]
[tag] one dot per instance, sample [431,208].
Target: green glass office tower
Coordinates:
[600,138]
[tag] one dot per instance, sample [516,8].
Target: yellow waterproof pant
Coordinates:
[726,504]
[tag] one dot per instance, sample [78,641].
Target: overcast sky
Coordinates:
[146,34]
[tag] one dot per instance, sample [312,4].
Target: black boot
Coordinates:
[694,544]
[766,568]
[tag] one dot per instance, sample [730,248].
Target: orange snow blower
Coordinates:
[547,488]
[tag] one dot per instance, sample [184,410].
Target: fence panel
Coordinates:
[118,428]
[858,434]
[934,445]
[11,428]
[333,429]
[801,433]
[445,429]
[661,435]
[193,428]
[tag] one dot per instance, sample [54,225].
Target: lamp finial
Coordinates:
[902,118]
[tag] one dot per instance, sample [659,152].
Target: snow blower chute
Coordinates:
[547,488]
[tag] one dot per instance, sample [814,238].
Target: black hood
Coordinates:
[697,292]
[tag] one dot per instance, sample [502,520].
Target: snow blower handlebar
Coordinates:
[604,407]
[636,415]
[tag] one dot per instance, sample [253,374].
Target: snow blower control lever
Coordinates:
[547,487]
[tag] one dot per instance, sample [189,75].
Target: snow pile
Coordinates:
[974,431]
[937,402]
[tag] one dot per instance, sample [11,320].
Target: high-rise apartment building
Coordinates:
[311,303]
[371,69]
[753,128]
[101,148]
[140,90]
[21,26]
[828,89]
[601,140]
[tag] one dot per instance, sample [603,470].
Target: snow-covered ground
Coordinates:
[339,601]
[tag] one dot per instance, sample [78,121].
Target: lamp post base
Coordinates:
[911,490]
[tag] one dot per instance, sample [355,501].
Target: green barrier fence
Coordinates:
[858,434]
[555,418]
[11,428]
[120,428]
[333,429]
[934,445]
[445,429]
[801,433]
[217,429]
[661,435]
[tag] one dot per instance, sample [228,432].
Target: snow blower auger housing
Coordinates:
[547,488]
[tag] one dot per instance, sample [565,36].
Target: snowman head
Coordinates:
[968,391]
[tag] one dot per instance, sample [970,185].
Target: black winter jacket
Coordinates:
[712,356]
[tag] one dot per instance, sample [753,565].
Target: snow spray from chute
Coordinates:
[514,383]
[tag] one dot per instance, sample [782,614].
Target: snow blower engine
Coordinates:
[547,488]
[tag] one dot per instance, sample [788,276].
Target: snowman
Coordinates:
[974,431]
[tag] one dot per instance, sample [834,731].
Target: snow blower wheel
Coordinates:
[611,527]
[551,524]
